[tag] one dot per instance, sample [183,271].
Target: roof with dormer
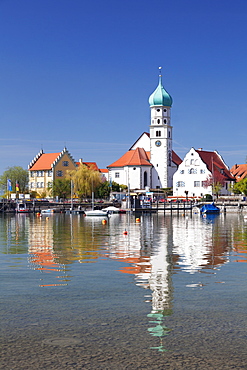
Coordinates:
[160,96]
[216,165]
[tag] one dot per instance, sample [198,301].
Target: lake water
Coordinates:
[163,293]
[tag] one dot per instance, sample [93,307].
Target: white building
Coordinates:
[197,172]
[150,162]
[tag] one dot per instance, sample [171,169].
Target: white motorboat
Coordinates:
[111,209]
[96,212]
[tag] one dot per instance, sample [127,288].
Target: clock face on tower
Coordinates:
[158,143]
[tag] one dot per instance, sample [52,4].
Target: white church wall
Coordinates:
[142,142]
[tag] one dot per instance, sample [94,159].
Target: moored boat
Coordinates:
[96,212]
[210,209]
[22,208]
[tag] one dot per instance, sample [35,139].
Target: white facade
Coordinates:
[161,147]
[191,176]
[136,177]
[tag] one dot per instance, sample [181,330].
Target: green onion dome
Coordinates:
[160,96]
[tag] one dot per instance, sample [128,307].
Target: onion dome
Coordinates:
[160,96]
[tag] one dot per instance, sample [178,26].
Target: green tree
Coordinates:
[215,183]
[241,186]
[61,188]
[85,180]
[15,174]
[106,187]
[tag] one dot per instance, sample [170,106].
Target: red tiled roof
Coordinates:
[176,159]
[44,162]
[239,171]
[215,165]
[136,157]
[104,170]
[91,165]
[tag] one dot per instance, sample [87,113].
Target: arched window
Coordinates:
[158,121]
[145,178]
[158,133]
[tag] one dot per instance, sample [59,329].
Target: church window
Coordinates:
[202,171]
[158,133]
[196,184]
[169,134]
[164,120]
[158,110]
[182,171]
[145,178]
[192,161]
[134,168]
[158,121]
[164,110]
[169,159]
[116,175]
[157,165]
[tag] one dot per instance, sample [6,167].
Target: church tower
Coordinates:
[161,137]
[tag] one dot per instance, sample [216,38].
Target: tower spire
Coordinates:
[160,75]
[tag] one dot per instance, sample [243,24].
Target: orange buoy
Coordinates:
[104,222]
[125,232]
[138,219]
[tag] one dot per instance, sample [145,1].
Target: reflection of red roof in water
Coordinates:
[44,259]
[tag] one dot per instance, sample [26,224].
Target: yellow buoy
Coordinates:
[104,222]
[138,219]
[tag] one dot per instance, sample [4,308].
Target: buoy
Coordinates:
[125,232]
[47,218]
[104,222]
[138,219]
[38,214]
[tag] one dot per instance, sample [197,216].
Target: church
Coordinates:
[150,162]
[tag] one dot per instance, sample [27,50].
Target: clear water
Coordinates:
[163,293]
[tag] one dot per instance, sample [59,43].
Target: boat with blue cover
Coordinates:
[210,209]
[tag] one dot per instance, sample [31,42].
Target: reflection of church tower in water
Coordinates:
[161,137]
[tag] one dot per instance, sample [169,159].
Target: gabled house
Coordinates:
[198,170]
[239,171]
[47,167]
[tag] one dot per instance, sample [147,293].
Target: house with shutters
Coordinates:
[198,170]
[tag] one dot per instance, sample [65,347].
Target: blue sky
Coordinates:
[79,73]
